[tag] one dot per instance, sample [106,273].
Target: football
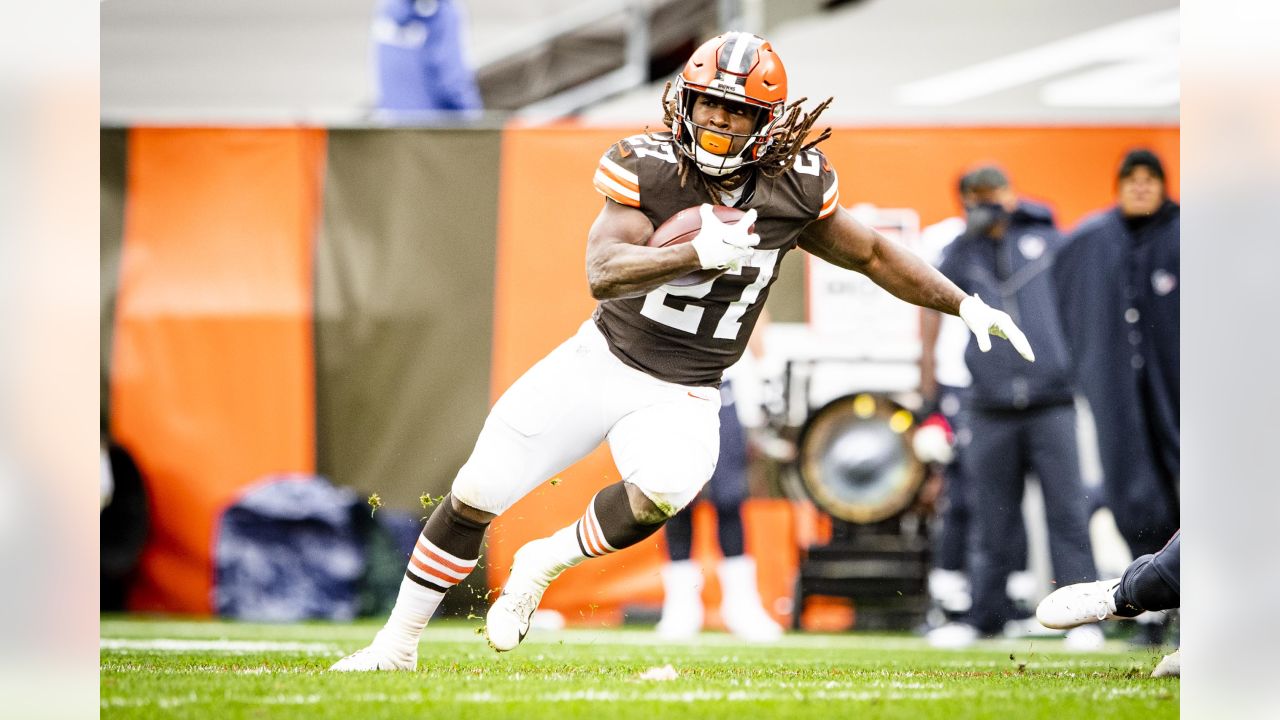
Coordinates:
[682,228]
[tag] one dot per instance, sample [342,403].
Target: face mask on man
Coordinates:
[982,218]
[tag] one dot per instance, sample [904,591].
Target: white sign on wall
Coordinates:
[849,312]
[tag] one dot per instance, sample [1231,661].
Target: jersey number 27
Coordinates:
[689,318]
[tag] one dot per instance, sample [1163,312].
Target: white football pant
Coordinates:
[664,437]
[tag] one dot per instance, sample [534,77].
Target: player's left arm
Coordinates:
[841,240]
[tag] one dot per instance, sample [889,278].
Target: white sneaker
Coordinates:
[1085,638]
[740,606]
[1078,604]
[1170,665]
[952,636]
[682,612]
[377,656]
[507,621]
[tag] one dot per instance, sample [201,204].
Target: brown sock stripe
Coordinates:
[589,535]
[429,549]
[582,544]
[431,564]
[432,575]
[425,583]
[599,532]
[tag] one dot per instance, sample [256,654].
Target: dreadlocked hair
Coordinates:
[790,138]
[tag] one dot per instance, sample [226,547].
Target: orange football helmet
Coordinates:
[739,67]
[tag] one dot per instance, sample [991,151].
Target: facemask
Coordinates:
[980,219]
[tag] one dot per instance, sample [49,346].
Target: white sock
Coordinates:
[557,554]
[431,572]
[414,607]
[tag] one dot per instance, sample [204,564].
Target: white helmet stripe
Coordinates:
[742,43]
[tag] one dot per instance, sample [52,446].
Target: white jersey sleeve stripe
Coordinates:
[832,191]
[829,207]
[620,172]
[615,191]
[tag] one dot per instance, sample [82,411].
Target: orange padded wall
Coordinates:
[212,377]
[1070,168]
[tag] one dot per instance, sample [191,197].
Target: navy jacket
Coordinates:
[1014,275]
[1120,296]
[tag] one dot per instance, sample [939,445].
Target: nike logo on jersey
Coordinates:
[699,397]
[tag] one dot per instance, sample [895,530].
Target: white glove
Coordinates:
[983,319]
[931,444]
[721,245]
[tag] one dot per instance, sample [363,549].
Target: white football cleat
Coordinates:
[534,567]
[377,657]
[1170,665]
[1085,638]
[1078,604]
[507,622]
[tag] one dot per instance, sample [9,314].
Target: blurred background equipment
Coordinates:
[856,463]
[856,459]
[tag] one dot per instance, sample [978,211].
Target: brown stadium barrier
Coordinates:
[547,204]
[403,306]
[212,370]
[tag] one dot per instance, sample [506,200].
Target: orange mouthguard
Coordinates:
[715,142]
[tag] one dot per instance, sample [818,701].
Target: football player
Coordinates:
[1151,583]
[643,371]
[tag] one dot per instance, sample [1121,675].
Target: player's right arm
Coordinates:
[930,327]
[619,264]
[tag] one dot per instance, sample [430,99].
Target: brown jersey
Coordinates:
[689,335]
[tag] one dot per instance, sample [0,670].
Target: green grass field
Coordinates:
[185,669]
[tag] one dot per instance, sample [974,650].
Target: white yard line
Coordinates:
[214,645]
[577,637]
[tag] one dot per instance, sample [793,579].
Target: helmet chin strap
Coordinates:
[717,165]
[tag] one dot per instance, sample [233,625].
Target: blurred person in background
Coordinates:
[420,57]
[644,371]
[1119,299]
[1151,583]
[123,525]
[741,609]
[1022,417]
[944,389]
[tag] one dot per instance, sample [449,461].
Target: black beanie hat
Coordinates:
[1141,158]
